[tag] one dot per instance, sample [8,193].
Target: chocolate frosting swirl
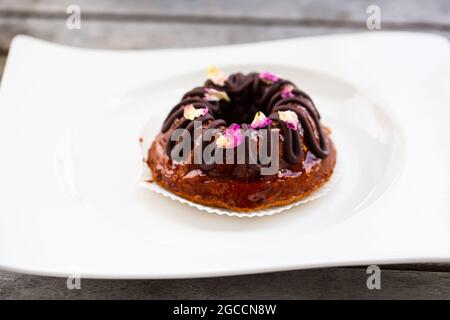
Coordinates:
[250,94]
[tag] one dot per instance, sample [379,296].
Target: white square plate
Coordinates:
[70,121]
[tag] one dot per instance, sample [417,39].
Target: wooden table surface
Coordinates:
[161,24]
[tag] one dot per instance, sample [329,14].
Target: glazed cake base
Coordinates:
[259,193]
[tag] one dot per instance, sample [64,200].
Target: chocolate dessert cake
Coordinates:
[236,106]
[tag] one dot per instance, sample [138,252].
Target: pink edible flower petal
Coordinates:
[191,113]
[234,127]
[290,118]
[212,94]
[287,92]
[217,76]
[260,121]
[231,138]
[268,77]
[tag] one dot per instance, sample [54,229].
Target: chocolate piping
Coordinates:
[268,97]
[319,149]
[292,142]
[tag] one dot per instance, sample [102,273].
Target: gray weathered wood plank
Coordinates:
[295,11]
[129,35]
[334,283]
[432,267]
[132,35]
[160,23]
